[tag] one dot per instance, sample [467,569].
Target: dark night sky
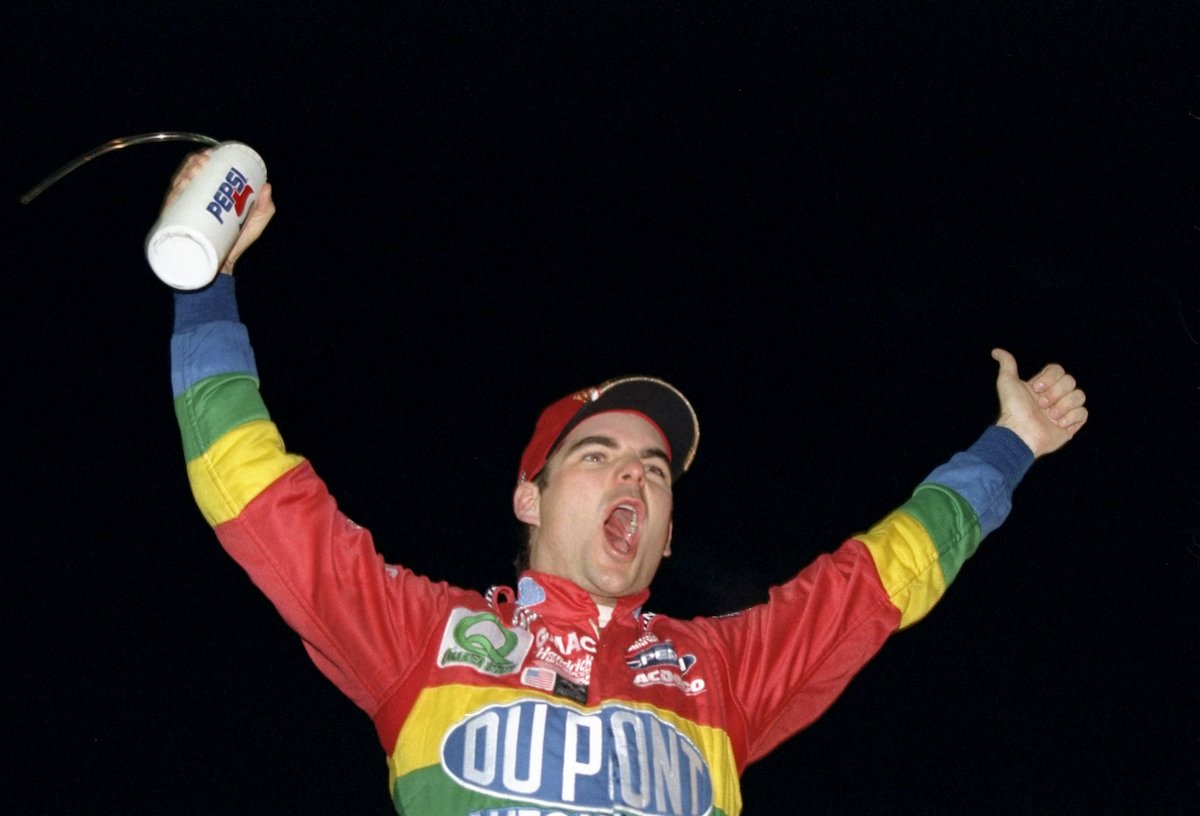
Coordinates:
[815,219]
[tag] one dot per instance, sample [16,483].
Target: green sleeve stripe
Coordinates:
[951,523]
[214,406]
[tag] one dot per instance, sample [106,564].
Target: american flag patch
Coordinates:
[539,678]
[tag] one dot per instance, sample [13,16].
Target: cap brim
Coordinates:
[658,400]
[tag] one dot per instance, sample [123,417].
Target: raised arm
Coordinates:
[360,619]
[794,655]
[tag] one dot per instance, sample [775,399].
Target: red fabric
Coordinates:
[375,629]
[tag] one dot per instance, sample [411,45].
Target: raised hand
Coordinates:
[256,222]
[1046,411]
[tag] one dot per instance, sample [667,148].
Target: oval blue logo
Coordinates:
[547,754]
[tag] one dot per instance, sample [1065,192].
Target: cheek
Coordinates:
[663,534]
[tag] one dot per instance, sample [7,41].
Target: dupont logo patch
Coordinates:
[615,760]
[481,642]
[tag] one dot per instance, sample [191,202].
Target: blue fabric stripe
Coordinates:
[986,474]
[215,302]
[207,350]
[208,337]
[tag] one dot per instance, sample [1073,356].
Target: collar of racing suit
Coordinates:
[551,598]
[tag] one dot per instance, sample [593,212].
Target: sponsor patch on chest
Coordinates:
[570,654]
[612,760]
[478,640]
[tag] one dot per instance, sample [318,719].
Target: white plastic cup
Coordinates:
[192,238]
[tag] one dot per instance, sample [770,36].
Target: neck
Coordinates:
[604,610]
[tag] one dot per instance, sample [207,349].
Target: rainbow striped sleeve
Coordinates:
[211,355]
[919,548]
[358,618]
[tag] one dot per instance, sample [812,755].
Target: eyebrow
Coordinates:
[610,443]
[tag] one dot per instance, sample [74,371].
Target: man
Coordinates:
[569,697]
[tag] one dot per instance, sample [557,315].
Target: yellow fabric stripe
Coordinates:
[439,708]
[908,566]
[236,468]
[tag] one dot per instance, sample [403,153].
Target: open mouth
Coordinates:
[621,529]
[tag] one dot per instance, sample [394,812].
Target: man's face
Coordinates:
[604,518]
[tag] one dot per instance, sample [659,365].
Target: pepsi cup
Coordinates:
[192,237]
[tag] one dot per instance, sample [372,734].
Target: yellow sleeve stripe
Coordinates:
[908,565]
[236,468]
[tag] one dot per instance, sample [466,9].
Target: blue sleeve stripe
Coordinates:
[215,302]
[208,350]
[986,474]
[209,339]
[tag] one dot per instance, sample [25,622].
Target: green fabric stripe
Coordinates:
[204,416]
[437,795]
[951,523]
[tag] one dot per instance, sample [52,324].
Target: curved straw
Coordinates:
[116,144]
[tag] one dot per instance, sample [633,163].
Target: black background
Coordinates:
[816,219]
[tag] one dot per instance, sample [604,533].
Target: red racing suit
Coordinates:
[503,705]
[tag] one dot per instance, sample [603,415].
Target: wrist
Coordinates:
[1005,450]
[1022,433]
[217,301]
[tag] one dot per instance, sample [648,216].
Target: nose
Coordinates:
[631,469]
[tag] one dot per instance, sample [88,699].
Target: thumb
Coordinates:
[1008,363]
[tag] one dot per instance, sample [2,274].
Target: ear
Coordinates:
[670,532]
[527,503]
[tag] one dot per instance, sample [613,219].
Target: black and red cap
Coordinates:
[657,401]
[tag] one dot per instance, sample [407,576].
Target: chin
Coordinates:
[617,588]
